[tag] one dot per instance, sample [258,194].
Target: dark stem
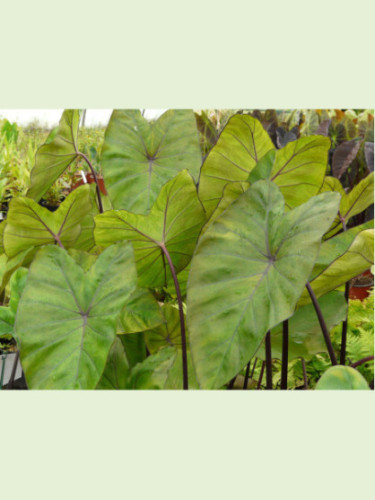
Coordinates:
[182,320]
[231,383]
[268,361]
[98,194]
[361,361]
[14,368]
[253,368]
[246,376]
[345,322]
[261,374]
[344,329]
[284,356]
[323,325]
[58,241]
[372,384]
[305,383]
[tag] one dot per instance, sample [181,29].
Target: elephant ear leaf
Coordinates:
[30,226]
[174,224]
[242,143]
[56,154]
[117,371]
[139,157]
[343,378]
[66,318]
[247,274]
[343,157]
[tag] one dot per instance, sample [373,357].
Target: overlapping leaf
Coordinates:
[298,168]
[141,312]
[359,198]
[8,313]
[241,145]
[139,157]
[340,259]
[66,319]
[29,225]
[168,333]
[174,222]
[247,274]
[55,156]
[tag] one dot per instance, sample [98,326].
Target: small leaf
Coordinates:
[66,318]
[343,378]
[139,157]
[174,222]
[166,334]
[248,271]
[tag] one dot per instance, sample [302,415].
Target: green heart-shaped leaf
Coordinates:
[139,157]
[8,313]
[66,318]
[343,378]
[29,225]
[174,222]
[248,272]
[55,156]
[242,143]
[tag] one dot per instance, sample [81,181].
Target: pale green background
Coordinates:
[201,54]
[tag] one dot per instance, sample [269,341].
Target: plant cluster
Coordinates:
[202,274]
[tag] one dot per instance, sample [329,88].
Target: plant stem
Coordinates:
[323,325]
[268,361]
[361,361]
[305,383]
[253,368]
[345,322]
[231,383]
[182,320]
[246,375]
[58,241]
[284,356]
[261,374]
[96,182]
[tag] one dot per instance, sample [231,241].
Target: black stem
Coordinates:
[268,361]
[305,383]
[284,356]
[231,383]
[246,375]
[261,374]
[253,368]
[361,361]
[182,320]
[14,369]
[323,325]
[98,194]
[345,322]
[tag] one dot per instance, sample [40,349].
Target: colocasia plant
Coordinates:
[187,274]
